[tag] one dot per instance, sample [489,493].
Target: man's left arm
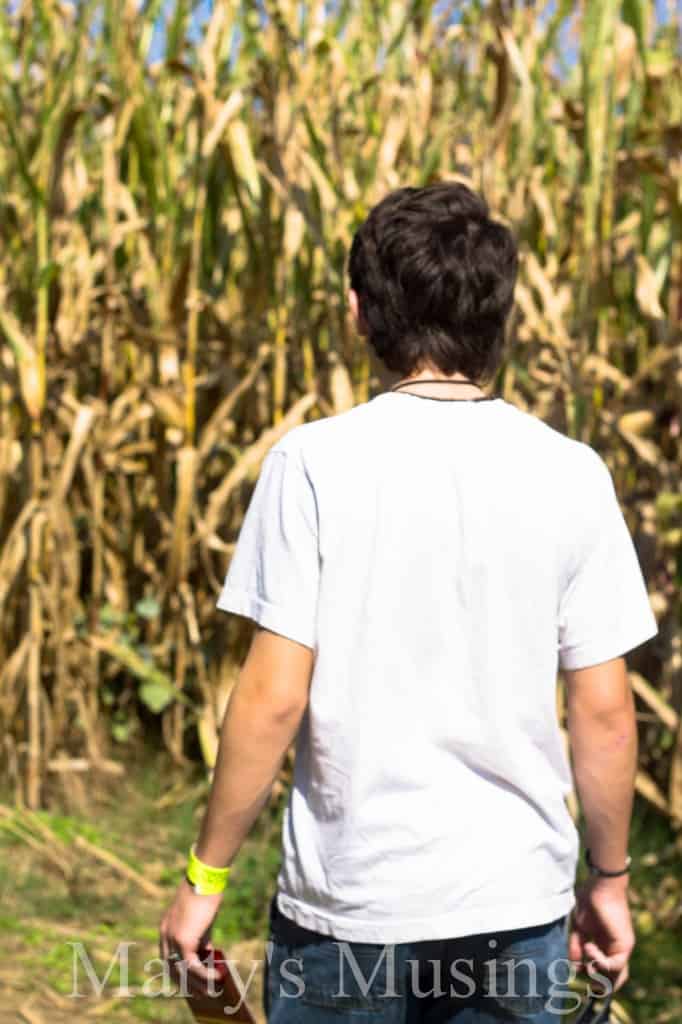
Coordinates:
[261,720]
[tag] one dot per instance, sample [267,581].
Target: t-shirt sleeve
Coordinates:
[274,571]
[605,609]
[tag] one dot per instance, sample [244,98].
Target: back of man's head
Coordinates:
[434,275]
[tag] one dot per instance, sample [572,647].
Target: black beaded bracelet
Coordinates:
[595,870]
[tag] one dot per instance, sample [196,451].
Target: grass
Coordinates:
[148,820]
[654,994]
[42,912]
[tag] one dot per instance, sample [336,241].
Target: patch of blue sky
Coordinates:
[665,12]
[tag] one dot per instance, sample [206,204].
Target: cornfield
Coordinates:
[174,238]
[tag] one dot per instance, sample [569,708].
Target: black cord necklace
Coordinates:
[440,380]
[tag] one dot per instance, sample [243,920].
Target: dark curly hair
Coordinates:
[435,275]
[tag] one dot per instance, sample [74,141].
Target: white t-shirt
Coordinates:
[443,559]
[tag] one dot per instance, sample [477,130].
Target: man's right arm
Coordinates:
[603,740]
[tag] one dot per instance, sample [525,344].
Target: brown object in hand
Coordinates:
[228,1004]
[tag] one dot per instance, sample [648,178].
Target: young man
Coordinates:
[419,568]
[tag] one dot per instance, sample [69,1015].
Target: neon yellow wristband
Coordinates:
[205,880]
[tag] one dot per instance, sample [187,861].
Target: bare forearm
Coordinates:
[604,754]
[262,718]
[253,743]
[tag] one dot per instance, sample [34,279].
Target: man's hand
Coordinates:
[186,927]
[601,928]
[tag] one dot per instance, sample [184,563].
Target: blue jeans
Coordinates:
[518,975]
